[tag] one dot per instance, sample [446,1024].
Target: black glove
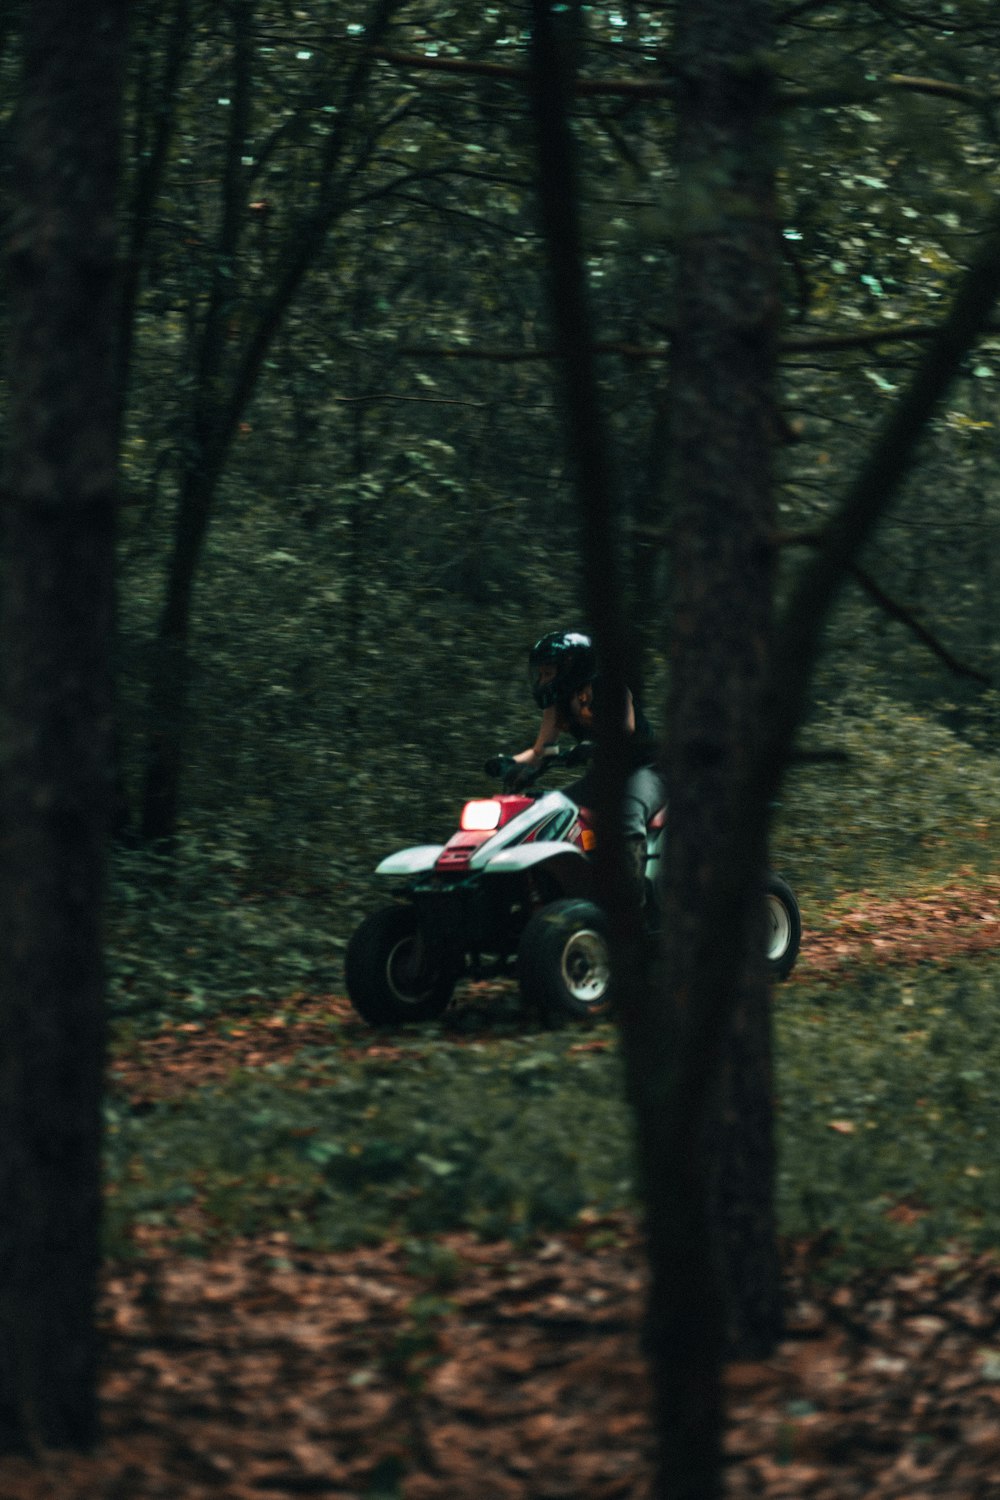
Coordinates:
[513,774]
[580,754]
[518,775]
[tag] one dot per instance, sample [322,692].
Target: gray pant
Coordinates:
[645,793]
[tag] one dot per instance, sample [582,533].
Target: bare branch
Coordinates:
[663,88]
[881,477]
[893,608]
[520,356]
[870,338]
[899,612]
[373,396]
[619,88]
[870,92]
[907,333]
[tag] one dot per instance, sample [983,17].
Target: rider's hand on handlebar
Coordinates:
[519,774]
[507,768]
[579,754]
[513,773]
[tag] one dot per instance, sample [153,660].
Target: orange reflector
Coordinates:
[588,839]
[481,817]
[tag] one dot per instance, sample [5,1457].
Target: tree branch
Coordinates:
[909,333]
[799,639]
[867,93]
[899,612]
[150,165]
[312,233]
[893,608]
[518,356]
[663,88]
[871,338]
[620,88]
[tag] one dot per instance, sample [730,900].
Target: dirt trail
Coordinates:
[950,922]
[938,926]
[503,1372]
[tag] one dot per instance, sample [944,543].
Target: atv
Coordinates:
[511,894]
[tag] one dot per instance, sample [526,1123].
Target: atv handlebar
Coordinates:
[514,773]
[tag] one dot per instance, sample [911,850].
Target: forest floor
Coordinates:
[513,1372]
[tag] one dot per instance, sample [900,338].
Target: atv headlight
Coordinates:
[481,816]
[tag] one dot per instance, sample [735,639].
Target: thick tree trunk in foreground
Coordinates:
[703,1244]
[714,1256]
[55,777]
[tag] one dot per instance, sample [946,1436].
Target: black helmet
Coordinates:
[559,665]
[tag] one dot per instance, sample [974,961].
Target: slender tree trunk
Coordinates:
[555,38]
[55,761]
[715,1267]
[171,678]
[224,387]
[151,154]
[358,560]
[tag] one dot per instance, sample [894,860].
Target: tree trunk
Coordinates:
[55,777]
[171,676]
[715,1267]
[224,386]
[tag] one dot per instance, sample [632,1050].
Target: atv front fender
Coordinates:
[568,865]
[418,860]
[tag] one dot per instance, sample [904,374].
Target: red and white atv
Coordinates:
[510,893]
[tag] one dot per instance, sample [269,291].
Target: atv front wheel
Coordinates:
[563,962]
[784,927]
[391,977]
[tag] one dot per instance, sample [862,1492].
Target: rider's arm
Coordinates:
[548,733]
[629,712]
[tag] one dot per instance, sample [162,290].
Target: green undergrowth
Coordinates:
[888,1123]
[200,932]
[908,804]
[888,1110]
[243,910]
[506,1139]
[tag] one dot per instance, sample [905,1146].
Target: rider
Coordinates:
[566,685]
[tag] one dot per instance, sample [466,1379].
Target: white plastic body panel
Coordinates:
[512,832]
[526,856]
[418,860]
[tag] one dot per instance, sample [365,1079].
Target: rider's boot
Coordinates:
[635,847]
[644,898]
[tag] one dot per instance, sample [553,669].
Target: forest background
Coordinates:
[345,510]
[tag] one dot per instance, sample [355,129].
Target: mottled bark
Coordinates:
[716,1285]
[55,719]
[588,451]
[698,1059]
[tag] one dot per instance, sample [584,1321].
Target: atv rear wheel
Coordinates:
[563,962]
[783,932]
[391,977]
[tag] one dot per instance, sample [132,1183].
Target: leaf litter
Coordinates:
[459,1370]
[495,1372]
